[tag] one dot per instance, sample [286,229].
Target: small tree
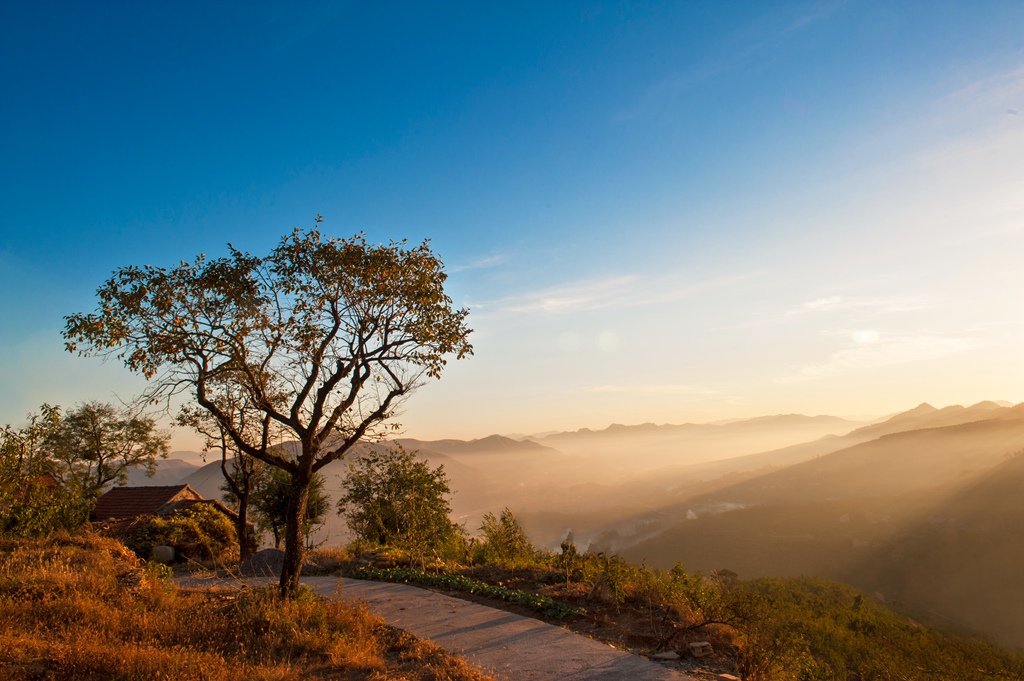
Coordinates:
[569,559]
[33,501]
[270,497]
[96,444]
[392,498]
[326,337]
[504,541]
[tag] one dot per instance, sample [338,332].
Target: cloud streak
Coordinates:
[883,352]
[624,291]
[479,264]
[659,95]
[870,305]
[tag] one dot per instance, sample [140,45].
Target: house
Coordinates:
[128,503]
[124,513]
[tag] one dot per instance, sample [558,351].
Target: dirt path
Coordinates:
[507,646]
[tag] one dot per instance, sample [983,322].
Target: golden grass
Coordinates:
[85,608]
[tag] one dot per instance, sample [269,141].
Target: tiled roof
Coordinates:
[129,502]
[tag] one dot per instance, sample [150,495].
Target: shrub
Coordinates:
[199,533]
[544,604]
[32,507]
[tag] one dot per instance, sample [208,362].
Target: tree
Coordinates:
[270,497]
[242,474]
[505,542]
[33,503]
[326,337]
[392,498]
[96,444]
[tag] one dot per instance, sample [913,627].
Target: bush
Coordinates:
[540,603]
[200,533]
[31,507]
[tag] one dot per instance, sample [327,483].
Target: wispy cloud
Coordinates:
[623,291]
[881,351]
[870,305]
[482,263]
[576,297]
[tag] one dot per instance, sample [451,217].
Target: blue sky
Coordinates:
[656,212]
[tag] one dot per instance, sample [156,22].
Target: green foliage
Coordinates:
[708,600]
[33,501]
[569,559]
[504,542]
[812,628]
[159,571]
[270,503]
[544,604]
[392,498]
[31,508]
[199,533]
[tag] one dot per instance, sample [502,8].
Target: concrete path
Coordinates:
[507,646]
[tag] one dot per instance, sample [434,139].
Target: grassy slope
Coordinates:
[81,608]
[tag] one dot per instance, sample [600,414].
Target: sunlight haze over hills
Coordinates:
[666,213]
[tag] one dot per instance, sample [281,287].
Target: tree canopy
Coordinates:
[96,444]
[391,497]
[323,337]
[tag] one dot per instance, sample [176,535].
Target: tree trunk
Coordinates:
[294,541]
[246,543]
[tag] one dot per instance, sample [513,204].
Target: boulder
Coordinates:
[162,554]
[700,649]
[265,563]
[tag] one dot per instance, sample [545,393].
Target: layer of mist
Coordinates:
[923,508]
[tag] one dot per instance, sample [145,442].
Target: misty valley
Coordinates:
[922,509]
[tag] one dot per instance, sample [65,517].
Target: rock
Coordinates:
[700,649]
[727,677]
[265,563]
[377,558]
[667,655]
[162,554]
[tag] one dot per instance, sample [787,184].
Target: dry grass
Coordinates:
[85,608]
[328,560]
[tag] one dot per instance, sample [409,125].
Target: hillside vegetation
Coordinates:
[928,518]
[765,629]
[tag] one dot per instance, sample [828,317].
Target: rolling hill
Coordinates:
[930,517]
